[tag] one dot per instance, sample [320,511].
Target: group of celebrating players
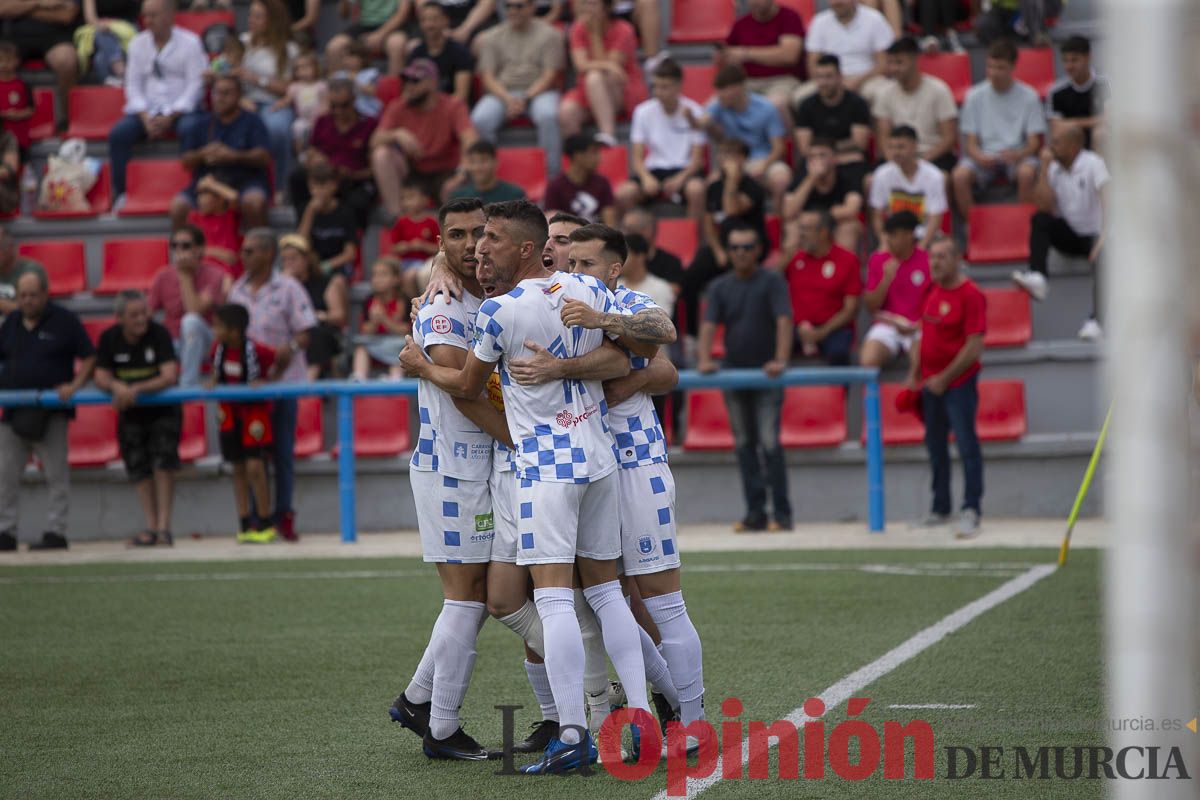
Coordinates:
[541,463]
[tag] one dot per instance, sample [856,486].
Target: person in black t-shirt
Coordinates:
[454,61]
[1079,99]
[733,195]
[824,188]
[839,115]
[136,357]
[329,224]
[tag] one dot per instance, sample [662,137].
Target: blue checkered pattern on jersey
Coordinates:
[640,440]
[556,456]
[423,455]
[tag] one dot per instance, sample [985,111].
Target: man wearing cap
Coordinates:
[898,283]
[421,137]
[580,189]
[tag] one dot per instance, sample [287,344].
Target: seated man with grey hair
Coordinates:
[136,357]
[39,345]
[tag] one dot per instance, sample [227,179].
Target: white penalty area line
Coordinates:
[858,680]
[923,569]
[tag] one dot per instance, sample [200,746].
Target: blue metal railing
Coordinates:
[346,391]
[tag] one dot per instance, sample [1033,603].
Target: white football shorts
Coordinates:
[648,540]
[558,521]
[454,517]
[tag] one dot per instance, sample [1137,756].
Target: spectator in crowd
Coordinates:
[308,97]
[735,113]
[186,291]
[668,152]
[734,195]
[768,42]
[908,183]
[897,285]
[358,69]
[1080,98]
[454,61]
[647,17]
[1023,18]
[44,31]
[892,11]
[826,188]
[16,99]
[414,238]
[135,357]
[281,317]
[837,115]
[945,369]
[232,145]
[922,102]
[482,181]
[304,14]
[937,19]
[265,73]
[752,304]
[858,35]
[329,295]
[340,139]
[420,138]
[520,67]
[216,215]
[1002,125]
[108,27]
[10,174]
[468,18]
[39,346]
[661,263]
[12,266]
[329,224]
[164,83]
[580,188]
[608,76]
[825,290]
[636,274]
[385,324]
[379,28]
[1070,216]
[247,428]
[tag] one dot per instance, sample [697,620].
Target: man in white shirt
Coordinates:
[923,102]
[668,150]
[858,35]
[908,183]
[164,82]
[1070,216]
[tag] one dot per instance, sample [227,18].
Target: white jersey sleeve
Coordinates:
[635,425]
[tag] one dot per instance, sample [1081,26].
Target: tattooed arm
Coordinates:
[640,334]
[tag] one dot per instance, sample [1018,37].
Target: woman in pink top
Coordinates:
[608,77]
[898,281]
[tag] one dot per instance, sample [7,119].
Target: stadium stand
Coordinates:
[524,166]
[1001,414]
[92,111]
[1035,66]
[131,264]
[708,421]
[698,81]
[310,428]
[680,236]
[41,124]
[953,68]
[1009,321]
[96,326]
[193,442]
[152,184]
[64,262]
[813,416]
[381,427]
[99,198]
[999,233]
[92,437]
[689,25]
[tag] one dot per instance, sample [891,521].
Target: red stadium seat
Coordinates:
[99,197]
[131,264]
[65,263]
[199,21]
[96,326]
[381,428]
[524,166]
[1035,66]
[310,427]
[387,89]
[92,436]
[999,234]
[805,8]
[707,421]
[953,68]
[692,25]
[151,186]
[41,124]
[614,164]
[93,110]
[698,81]
[1001,413]
[813,416]
[679,236]
[899,427]
[193,442]
[1009,321]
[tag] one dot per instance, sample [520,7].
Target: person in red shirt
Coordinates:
[769,43]
[825,286]
[216,213]
[414,238]
[609,78]
[385,323]
[946,370]
[16,101]
[898,282]
[421,137]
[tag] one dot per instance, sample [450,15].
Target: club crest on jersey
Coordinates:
[827,269]
[440,324]
[918,278]
[460,449]
[646,545]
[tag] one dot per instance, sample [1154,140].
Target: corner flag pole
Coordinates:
[1083,489]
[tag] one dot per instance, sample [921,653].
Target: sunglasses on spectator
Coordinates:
[182,245]
[741,247]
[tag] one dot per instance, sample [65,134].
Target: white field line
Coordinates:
[937,706]
[929,569]
[858,680]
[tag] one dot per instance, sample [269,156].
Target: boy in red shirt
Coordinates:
[16,101]
[898,282]
[385,322]
[945,368]
[825,287]
[415,235]
[216,214]
[246,434]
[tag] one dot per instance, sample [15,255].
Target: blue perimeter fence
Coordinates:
[346,391]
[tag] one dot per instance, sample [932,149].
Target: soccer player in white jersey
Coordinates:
[647,490]
[567,493]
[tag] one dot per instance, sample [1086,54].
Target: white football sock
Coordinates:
[657,671]
[420,688]
[454,660]
[620,640]
[681,648]
[526,623]
[541,689]
[595,664]
[564,658]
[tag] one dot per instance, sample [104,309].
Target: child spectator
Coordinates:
[329,224]
[414,235]
[233,51]
[308,97]
[898,281]
[385,322]
[356,65]
[245,427]
[16,101]
[216,213]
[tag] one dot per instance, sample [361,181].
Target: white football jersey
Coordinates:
[634,422]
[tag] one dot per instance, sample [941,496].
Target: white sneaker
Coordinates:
[1032,282]
[1091,331]
[606,139]
[956,45]
[930,44]
[968,524]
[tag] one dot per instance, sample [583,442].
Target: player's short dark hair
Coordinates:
[829,60]
[322,173]
[904,46]
[637,243]
[823,142]
[668,69]
[463,205]
[194,232]
[570,219]
[525,214]
[8,48]
[482,147]
[903,132]
[233,316]
[1003,50]
[1078,45]
[729,75]
[734,225]
[613,239]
